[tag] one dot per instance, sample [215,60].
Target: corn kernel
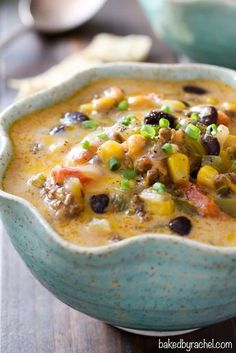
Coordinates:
[140,102]
[135,145]
[206,176]
[229,106]
[161,204]
[224,155]
[86,108]
[230,141]
[103,104]
[115,93]
[179,167]
[174,104]
[74,186]
[110,149]
[37,180]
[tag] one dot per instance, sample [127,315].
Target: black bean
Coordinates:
[56,129]
[207,114]
[73,118]
[180,225]
[99,203]
[195,167]
[194,90]
[211,144]
[153,118]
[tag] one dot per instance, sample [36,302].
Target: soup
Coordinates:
[124,157]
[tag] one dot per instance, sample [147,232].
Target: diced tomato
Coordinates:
[84,156]
[78,155]
[203,203]
[86,174]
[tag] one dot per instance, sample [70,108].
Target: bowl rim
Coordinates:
[5,144]
[205,2]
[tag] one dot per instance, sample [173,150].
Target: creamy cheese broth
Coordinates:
[36,151]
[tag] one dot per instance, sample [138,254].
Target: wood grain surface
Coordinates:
[32,320]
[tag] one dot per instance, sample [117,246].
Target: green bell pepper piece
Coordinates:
[228,205]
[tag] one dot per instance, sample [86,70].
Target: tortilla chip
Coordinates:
[103,48]
[108,47]
[52,77]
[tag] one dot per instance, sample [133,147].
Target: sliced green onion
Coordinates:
[164,122]
[124,184]
[183,122]
[159,187]
[102,136]
[114,164]
[211,129]
[126,120]
[148,131]
[178,126]
[129,174]
[90,124]
[195,116]
[85,144]
[193,131]
[167,148]
[123,105]
[166,109]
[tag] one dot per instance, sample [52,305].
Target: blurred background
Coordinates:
[45,32]
[33,53]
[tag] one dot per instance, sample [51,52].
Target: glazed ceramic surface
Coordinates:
[204,30]
[148,282]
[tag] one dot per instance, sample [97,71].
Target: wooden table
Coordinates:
[32,320]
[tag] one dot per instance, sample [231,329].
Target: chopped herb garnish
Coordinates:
[167,148]
[159,187]
[211,129]
[102,136]
[85,144]
[193,131]
[195,116]
[114,164]
[129,174]
[164,122]
[166,109]
[148,131]
[123,105]
[126,120]
[90,124]
[124,184]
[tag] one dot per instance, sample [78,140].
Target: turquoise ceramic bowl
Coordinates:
[148,282]
[204,30]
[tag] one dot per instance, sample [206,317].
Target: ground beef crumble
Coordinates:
[61,201]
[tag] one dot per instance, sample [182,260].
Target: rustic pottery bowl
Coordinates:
[149,282]
[204,30]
